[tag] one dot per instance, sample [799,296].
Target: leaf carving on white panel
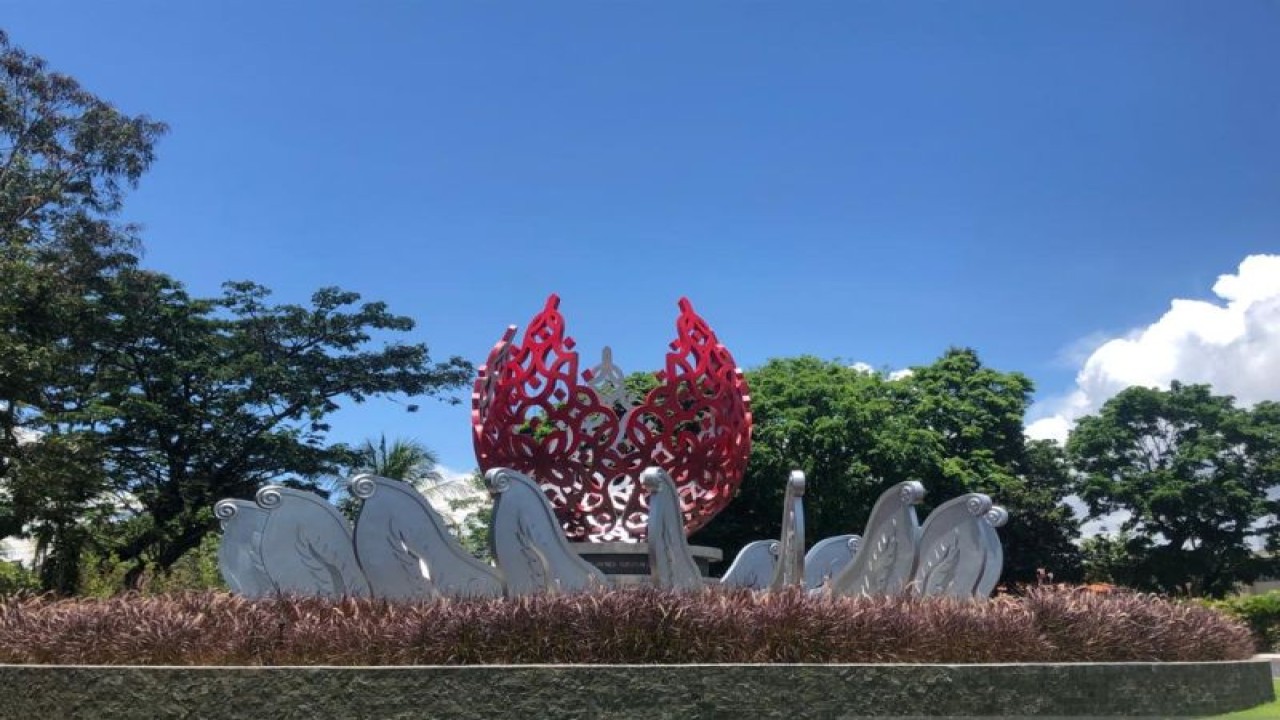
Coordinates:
[884,563]
[528,544]
[952,550]
[306,546]
[406,548]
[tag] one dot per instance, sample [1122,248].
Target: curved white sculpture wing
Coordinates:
[952,552]
[671,564]
[306,545]
[994,565]
[407,551]
[790,569]
[828,557]
[530,548]
[754,565]
[883,564]
[239,560]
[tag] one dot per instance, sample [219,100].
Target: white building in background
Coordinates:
[456,497]
[12,548]
[17,549]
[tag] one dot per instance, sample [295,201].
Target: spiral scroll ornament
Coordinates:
[224,510]
[269,497]
[978,504]
[363,486]
[498,480]
[997,516]
[912,492]
[535,412]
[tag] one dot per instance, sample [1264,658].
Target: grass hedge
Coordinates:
[614,627]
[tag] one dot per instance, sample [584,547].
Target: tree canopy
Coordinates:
[1195,479]
[403,459]
[128,407]
[66,159]
[955,425]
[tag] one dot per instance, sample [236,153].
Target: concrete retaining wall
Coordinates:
[650,691]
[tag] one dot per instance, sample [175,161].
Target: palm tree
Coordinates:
[404,459]
[409,460]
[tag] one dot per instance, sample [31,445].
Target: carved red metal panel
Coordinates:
[534,411]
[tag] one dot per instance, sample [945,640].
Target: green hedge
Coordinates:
[1260,613]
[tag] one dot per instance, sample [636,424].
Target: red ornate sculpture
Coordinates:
[586,442]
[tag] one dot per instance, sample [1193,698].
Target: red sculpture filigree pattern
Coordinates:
[532,410]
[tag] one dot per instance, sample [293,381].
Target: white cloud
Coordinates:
[889,374]
[1232,344]
[1078,351]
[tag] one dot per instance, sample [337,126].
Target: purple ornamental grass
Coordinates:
[640,625]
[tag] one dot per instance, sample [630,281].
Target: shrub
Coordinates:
[1261,613]
[14,578]
[617,626]
[103,575]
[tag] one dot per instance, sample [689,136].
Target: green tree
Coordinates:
[57,495]
[204,399]
[1044,534]
[66,158]
[127,407]
[816,416]
[1194,474]
[955,425]
[1108,558]
[404,459]
[477,512]
[639,384]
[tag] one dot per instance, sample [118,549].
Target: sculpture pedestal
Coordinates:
[627,563]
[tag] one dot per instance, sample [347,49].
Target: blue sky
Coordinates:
[866,181]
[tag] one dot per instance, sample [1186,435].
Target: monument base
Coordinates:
[797,692]
[628,563]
